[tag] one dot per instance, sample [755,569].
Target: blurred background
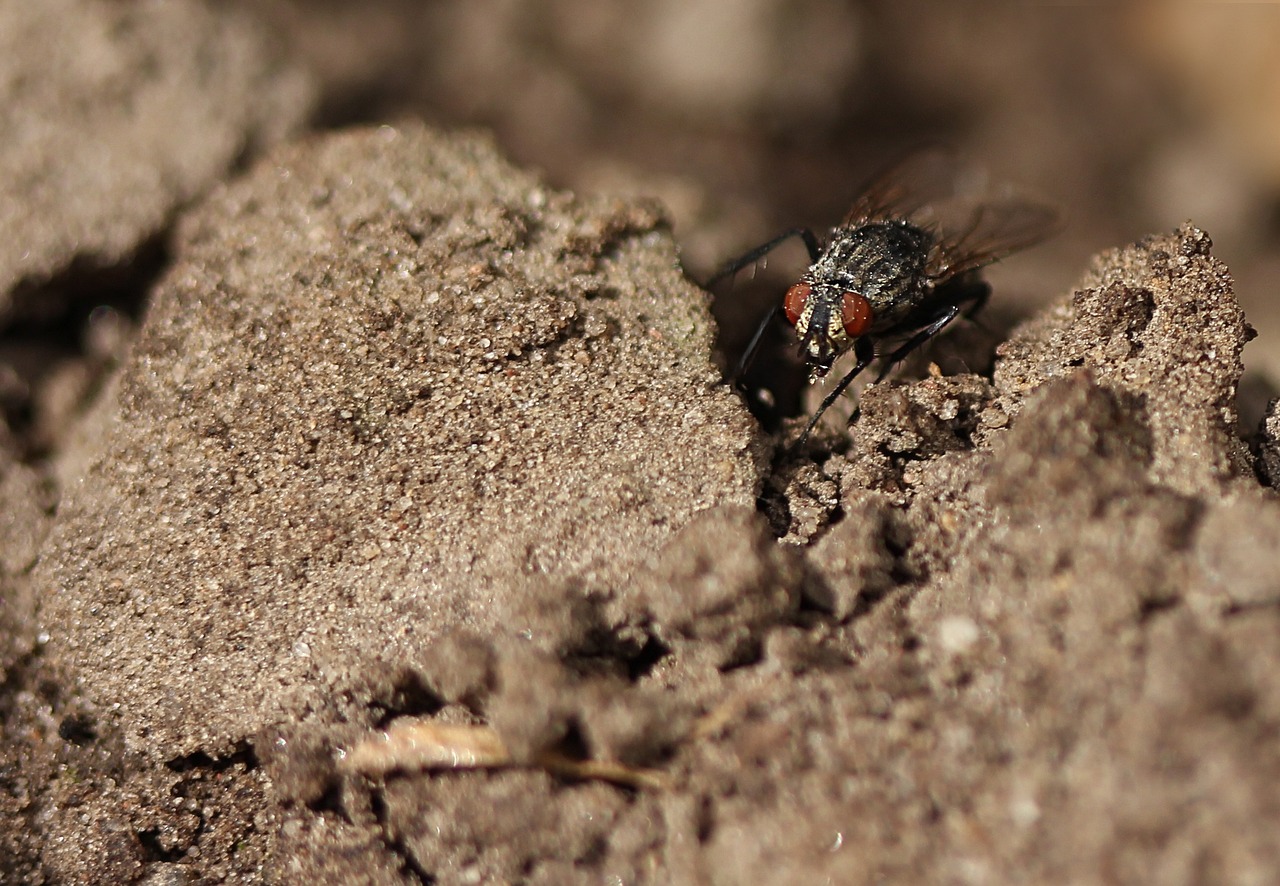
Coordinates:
[746,117]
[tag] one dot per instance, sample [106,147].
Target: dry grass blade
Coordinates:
[603,770]
[411,744]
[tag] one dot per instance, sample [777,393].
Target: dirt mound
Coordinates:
[410,441]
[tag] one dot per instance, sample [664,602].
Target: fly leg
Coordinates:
[980,295]
[749,355]
[975,294]
[937,325]
[746,260]
[751,257]
[865,350]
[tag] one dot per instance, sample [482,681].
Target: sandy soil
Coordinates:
[410,534]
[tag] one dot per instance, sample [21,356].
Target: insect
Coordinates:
[900,267]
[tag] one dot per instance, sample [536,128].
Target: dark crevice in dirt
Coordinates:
[1258,405]
[151,839]
[331,801]
[704,818]
[51,318]
[249,149]
[21,674]
[776,510]
[56,307]
[902,574]
[748,656]
[643,663]
[1260,470]
[573,744]
[154,852]
[1250,607]
[863,606]
[901,591]
[836,516]
[964,431]
[574,331]
[774,501]
[244,755]
[587,664]
[596,852]
[77,729]
[628,651]
[396,845]
[1154,606]
[411,696]
[810,607]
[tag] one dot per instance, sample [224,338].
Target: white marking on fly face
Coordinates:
[835,329]
[806,314]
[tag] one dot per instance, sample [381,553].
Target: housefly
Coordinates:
[898,269]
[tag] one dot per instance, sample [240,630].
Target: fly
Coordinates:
[902,265]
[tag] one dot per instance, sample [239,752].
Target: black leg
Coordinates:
[976,294]
[750,258]
[916,341]
[753,347]
[865,350]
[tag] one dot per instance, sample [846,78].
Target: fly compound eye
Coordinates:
[795,301]
[855,313]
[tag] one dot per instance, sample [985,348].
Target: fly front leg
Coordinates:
[749,355]
[975,294]
[746,260]
[751,257]
[900,354]
[865,350]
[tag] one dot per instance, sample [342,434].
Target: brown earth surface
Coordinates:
[116,114]
[408,436]
[373,510]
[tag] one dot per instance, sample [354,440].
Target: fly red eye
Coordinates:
[794,302]
[856,314]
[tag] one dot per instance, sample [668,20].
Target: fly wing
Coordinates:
[898,192]
[977,233]
[972,227]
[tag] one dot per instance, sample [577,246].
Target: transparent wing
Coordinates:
[933,189]
[976,233]
[924,177]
